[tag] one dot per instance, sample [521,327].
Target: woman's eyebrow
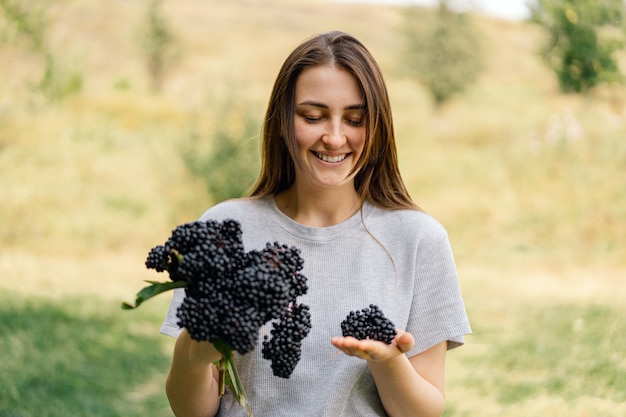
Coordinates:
[313,103]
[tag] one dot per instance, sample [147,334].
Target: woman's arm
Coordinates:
[191,384]
[407,386]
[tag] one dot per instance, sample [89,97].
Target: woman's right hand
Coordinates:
[198,353]
[191,385]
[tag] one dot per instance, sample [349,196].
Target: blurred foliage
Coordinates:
[58,81]
[157,40]
[443,50]
[583,36]
[28,23]
[231,163]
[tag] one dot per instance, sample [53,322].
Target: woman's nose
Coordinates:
[335,136]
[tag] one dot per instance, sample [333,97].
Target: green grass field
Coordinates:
[79,357]
[528,182]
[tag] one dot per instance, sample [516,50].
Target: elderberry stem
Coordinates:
[221,377]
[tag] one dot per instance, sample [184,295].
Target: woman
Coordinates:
[330,186]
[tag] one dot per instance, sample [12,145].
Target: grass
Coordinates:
[566,350]
[79,357]
[565,354]
[527,181]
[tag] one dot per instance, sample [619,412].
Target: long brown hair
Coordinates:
[378,179]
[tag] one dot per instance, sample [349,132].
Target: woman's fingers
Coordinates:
[372,349]
[404,341]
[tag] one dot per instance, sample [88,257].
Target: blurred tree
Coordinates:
[583,36]
[231,163]
[29,25]
[443,50]
[157,40]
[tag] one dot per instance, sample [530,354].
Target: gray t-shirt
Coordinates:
[399,260]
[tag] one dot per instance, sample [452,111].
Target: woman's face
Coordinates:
[329,127]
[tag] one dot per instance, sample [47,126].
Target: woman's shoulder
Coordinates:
[411,221]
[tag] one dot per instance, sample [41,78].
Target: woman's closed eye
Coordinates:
[355,122]
[313,118]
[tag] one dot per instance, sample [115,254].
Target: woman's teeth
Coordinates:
[328,158]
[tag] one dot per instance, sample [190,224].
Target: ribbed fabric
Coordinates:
[407,270]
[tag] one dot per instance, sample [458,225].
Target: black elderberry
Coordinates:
[369,323]
[284,347]
[158,258]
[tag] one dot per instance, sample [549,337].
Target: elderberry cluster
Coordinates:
[231,293]
[284,347]
[369,323]
[199,251]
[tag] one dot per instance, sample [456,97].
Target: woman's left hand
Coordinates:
[373,350]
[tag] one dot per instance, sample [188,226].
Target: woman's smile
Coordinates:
[333,159]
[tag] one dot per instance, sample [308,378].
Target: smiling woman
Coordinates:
[331,187]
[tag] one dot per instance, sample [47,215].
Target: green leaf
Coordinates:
[155,288]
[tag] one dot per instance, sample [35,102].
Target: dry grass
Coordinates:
[88,184]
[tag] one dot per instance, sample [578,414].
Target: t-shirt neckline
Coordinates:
[317,233]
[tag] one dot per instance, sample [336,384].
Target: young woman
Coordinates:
[330,186]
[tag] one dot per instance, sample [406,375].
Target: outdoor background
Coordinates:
[106,137]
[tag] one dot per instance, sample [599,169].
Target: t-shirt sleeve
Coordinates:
[437,311]
[170,324]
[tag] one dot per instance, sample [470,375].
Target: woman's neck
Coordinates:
[321,208]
